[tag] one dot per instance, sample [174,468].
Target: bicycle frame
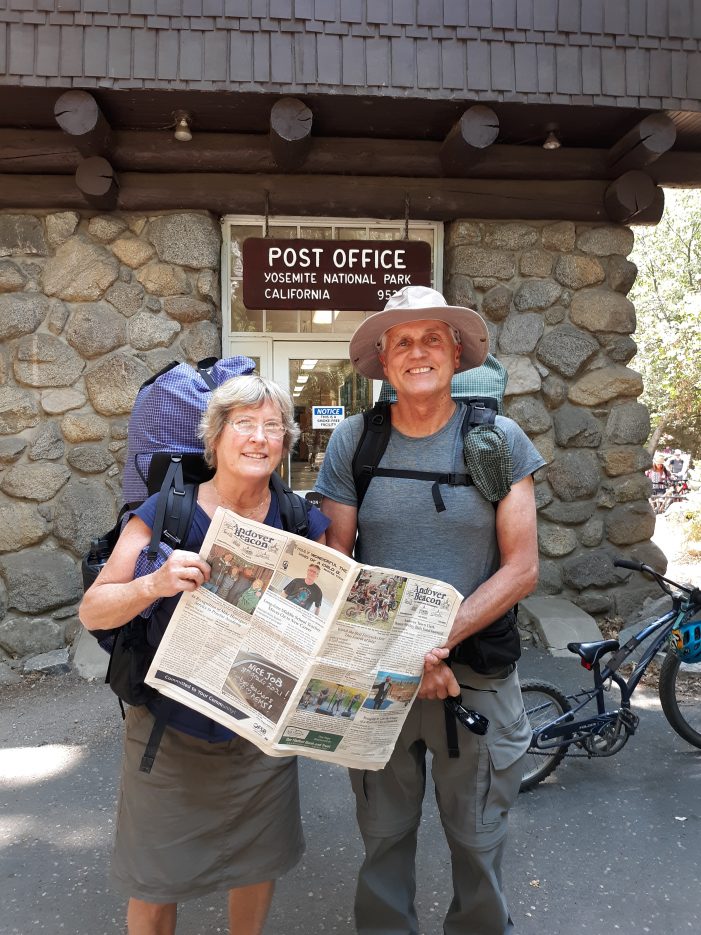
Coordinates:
[565,730]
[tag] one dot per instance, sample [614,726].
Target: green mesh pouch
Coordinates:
[488,461]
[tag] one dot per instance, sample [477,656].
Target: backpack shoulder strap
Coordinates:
[175,509]
[166,369]
[294,510]
[204,367]
[481,410]
[377,427]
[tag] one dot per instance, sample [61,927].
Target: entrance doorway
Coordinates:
[324,387]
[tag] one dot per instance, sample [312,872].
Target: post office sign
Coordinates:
[352,275]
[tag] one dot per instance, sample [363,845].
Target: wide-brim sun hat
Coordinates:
[416,303]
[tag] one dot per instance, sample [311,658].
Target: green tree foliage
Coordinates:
[667,298]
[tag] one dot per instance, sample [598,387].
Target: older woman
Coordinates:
[214,813]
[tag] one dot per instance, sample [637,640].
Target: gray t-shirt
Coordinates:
[398,525]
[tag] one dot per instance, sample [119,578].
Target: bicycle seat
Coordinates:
[592,652]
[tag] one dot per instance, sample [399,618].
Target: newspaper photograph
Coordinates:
[298,648]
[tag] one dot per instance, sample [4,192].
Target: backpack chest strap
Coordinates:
[451,479]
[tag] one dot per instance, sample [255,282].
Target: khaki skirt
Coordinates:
[209,816]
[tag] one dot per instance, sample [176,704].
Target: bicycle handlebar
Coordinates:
[631,564]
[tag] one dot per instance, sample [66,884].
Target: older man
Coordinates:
[485,549]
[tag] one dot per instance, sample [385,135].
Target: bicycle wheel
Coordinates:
[544,703]
[680,695]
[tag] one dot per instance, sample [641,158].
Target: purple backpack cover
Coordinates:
[167,413]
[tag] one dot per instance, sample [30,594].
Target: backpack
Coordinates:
[166,414]
[175,476]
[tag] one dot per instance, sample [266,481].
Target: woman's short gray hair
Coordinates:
[237,393]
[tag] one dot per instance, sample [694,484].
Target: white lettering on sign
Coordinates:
[304,257]
[290,277]
[350,279]
[327,417]
[342,257]
[367,256]
[308,294]
[397,279]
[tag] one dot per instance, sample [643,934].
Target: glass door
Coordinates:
[325,390]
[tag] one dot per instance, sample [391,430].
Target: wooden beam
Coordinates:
[644,144]
[290,132]
[47,151]
[630,195]
[476,129]
[52,152]
[78,115]
[95,178]
[26,151]
[322,196]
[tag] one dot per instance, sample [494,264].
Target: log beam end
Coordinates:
[79,116]
[630,195]
[96,179]
[290,132]
[476,130]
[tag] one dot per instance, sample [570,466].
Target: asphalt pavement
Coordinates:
[603,846]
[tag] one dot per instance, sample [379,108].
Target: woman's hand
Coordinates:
[183,571]
[117,596]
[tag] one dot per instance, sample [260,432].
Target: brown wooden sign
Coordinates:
[347,275]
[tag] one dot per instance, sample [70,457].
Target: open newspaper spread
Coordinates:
[298,648]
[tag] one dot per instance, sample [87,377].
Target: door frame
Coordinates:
[260,347]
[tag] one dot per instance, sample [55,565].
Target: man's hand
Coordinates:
[438,682]
[435,656]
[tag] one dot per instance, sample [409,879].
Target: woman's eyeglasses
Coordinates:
[244,426]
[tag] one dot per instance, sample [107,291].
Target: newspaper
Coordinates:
[298,648]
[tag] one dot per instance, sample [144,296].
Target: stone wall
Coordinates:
[90,307]
[554,297]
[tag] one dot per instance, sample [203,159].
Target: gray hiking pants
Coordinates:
[474,793]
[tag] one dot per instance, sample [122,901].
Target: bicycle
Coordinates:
[554,716]
[677,492]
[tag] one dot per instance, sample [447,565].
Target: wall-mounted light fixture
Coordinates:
[551,140]
[182,126]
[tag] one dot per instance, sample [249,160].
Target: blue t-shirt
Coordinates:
[182,717]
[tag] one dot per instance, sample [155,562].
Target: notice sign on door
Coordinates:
[351,275]
[327,417]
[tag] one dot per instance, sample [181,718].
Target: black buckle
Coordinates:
[474,721]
